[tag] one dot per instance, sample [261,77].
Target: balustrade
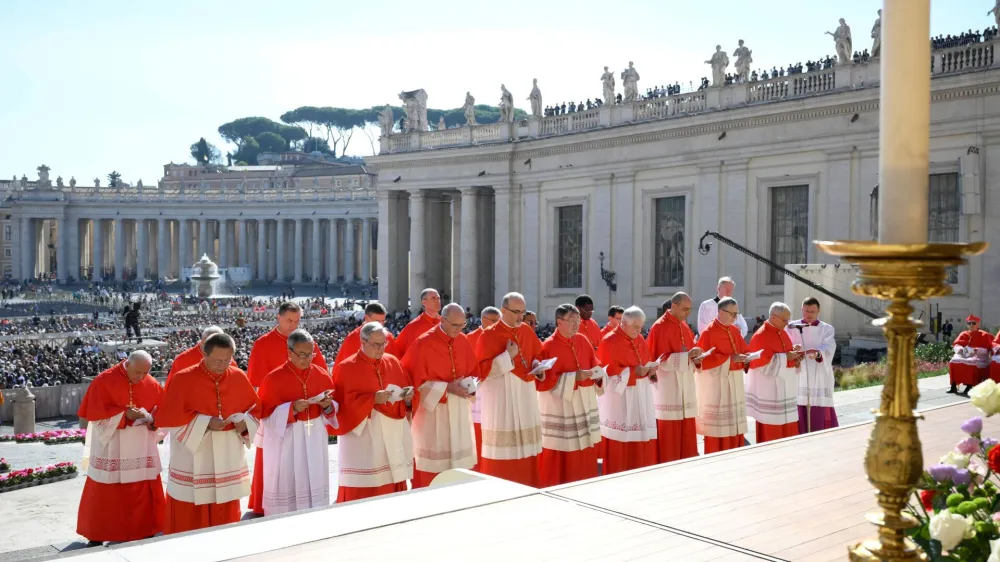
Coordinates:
[966,57]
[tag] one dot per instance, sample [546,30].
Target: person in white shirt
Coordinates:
[709,310]
[815,373]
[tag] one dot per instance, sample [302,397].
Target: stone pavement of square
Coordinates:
[41,521]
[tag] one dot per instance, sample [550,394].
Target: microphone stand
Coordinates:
[800,327]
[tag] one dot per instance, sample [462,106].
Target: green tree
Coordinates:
[205,153]
[316,144]
[249,149]
[271,142]
[114,179]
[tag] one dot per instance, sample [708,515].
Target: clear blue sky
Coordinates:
[92,86]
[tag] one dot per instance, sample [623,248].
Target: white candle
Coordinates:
[904,122]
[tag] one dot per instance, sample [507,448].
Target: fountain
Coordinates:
[204,274]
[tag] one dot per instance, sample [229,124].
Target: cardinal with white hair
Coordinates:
[123,497]
[772,383]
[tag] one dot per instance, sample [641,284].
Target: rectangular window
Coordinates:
[944,213]
[569,273]
[6,252]
[789,227]
[668,241]
[8,233]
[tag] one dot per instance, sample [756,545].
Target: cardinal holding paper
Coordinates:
[722,407]
[674,390]
[438,362]
[297,406]
[213,412]
[376,449]
[772,385]
[628,421]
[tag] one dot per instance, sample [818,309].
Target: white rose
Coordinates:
[994,552]
[955,459]
[949,528]
[986,397]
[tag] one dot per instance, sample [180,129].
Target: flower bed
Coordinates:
[55,437]
[28,477]
[871,374]
[4,465]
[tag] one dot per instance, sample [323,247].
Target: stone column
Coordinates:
[25,245]
[98,250]
[243,241]
[469,243]
[223,243]
[184,255]
[279,252]
[261,250]
[298,250]
[456,250]
[24,411]
[316,269]
[203,246]
[162,249]
[418,272]
[62,255]
[75,235]
[366,250]
[119,249]
[332,271]
[142,258]
[43,230]
[530,226]
[349,245]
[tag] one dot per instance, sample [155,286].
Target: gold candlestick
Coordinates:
[898,273]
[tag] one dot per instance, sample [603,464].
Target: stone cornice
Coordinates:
[638,133]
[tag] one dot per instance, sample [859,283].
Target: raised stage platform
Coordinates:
[798,499]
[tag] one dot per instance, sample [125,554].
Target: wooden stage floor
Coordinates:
[798,499]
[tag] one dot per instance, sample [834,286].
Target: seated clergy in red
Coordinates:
[123,497]
[488,317]
[567,402]
[772,383]
[375,445]
[438,362]
[194,354]
[628,421]
[970,364]
[374,312]
[674,394]
[722,406]
[296,470]
[269,352]
[212,411]
[512,427]
[431,302]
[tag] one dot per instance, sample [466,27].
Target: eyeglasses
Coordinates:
[379,345]
[309,355]
[456,325]
[514,312]
[730,312]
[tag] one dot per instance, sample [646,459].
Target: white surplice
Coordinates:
[709,311]
[722,405]
[511,424]
[377,452]
[772,392]
[443,438]
[209,467]
[571,420]
[298,477]
[120,456]
[627,412]
[674,394]
[816,379]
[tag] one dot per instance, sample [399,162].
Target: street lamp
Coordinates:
[608,276]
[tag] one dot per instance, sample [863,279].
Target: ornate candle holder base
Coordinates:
[898,273]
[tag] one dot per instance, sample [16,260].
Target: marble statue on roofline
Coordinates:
[441,124]
[608,84]
[469,109]
[630,81]
[843,42]
[743,60]
[59,182]
[386,121]
[996,13]
[536,99]
[415,106]
[877,36]
[719,62]
[506,105]
[72,182]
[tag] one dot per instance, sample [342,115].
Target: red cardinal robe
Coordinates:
[189,358]
[120,512]
[620,412]
[196,391]
[676,439]
[592,332]
[771,341]
[416,328]
[269,352]
[357,381]
[727,341]
[966,372]
[352,345]
[477,424]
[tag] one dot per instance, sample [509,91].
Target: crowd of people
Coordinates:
[965,38]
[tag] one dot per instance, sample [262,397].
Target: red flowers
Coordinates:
[994,459]
[927,499]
